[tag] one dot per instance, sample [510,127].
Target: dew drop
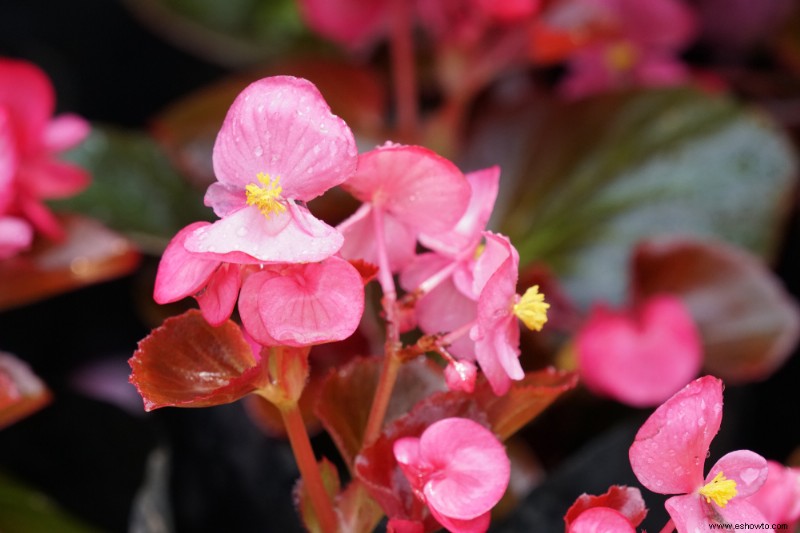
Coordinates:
[258,151]
[701,422]
[241,232]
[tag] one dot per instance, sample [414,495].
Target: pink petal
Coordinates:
[400,525]
[27,94]
[601,520]
[668,453]
[423,190]
[48,178]
[64,132]
[498,252]
[421,268]
[182,273]
[292,236]
[640,359]
[689,512]
[309,303]
[249,297]
[283,127]
[472,468]
[9,159]
[779,497]
[445,309]
[479,524]
[748,469]
[740,512]
[466,234]
[42,219]
[219,297]
[225,199]
[352,23]
[662,24]
[461,376]
[16,235]
[359,239]
[658,71]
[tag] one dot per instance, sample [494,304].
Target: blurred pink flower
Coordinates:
[639,357]
[668,453]
[459,469]
[621,43]
[406,190]
[278,147]
[779,498]
[30,141]
[626,502]
[351,23]
[302,304]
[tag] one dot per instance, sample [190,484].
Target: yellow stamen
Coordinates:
[532,309]
[478,251]
[720,489]
[620,56]
[267,195]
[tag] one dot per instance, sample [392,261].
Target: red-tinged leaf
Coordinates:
[525,401]
[357,510]
[188,363]
[627,500]
[21,392]
[748,323]
[347,393]
[189,127]
[377,467]
[330,480]
[89,254]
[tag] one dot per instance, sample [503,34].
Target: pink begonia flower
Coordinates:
[496,330]
[302,304]
[779,497]
[278,147]
[351,23]
[624,42]
[668,453]
[30,140]
[642,356]
[406,190]
[213,283]
[601,520]
[459,469]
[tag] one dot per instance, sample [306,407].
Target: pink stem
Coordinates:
[669,527]
[403,71]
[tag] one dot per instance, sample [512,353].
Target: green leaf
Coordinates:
[233,32]
[134,188]
[601,174]
[24,510]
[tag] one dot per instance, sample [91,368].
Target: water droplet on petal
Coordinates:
[701,422]
[241,232]
[258,151]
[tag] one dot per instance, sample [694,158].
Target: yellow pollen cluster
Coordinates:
[478,251]
[620,56]
[720,489]
[265,196]
[532,309]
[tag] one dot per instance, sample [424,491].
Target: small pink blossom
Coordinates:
[625,501]
[30,141]
[279,146]
[496,329]
[779,497]
[458,469]
[406,190]
[642,356]
[668,453]
[352,23]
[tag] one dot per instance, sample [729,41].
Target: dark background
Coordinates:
[222,472]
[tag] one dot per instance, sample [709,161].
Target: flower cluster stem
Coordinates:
[309,470]
[403,71]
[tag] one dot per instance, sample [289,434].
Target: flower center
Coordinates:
[620,57]
[267,196]
[532,309]
[720,489]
